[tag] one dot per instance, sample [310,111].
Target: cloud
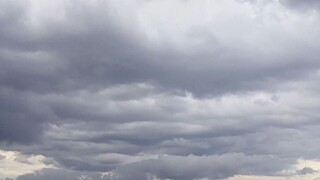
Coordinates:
[49,174]
[14,164]
[195,167]
[21,120]
[107,53]
[107,86]
[309,4]
[169,166]
[306,170]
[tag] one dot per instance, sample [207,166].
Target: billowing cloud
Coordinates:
[306,170]
[160,89]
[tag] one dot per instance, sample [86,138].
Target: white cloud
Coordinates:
[14,164]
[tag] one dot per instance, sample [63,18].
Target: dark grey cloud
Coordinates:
[49,174]
[306,170]
[292,4]
[193,167]
[175,167]
[81,57]
[22,116]
[99,87]
[300,4]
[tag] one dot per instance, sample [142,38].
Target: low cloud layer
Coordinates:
[161,89]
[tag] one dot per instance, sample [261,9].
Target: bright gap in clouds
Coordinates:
[170,89]
[14,164]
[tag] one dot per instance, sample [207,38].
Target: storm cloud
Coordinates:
[160,89]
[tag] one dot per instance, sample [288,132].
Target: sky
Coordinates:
[159,89]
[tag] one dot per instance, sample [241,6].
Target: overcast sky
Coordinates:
[159,89]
